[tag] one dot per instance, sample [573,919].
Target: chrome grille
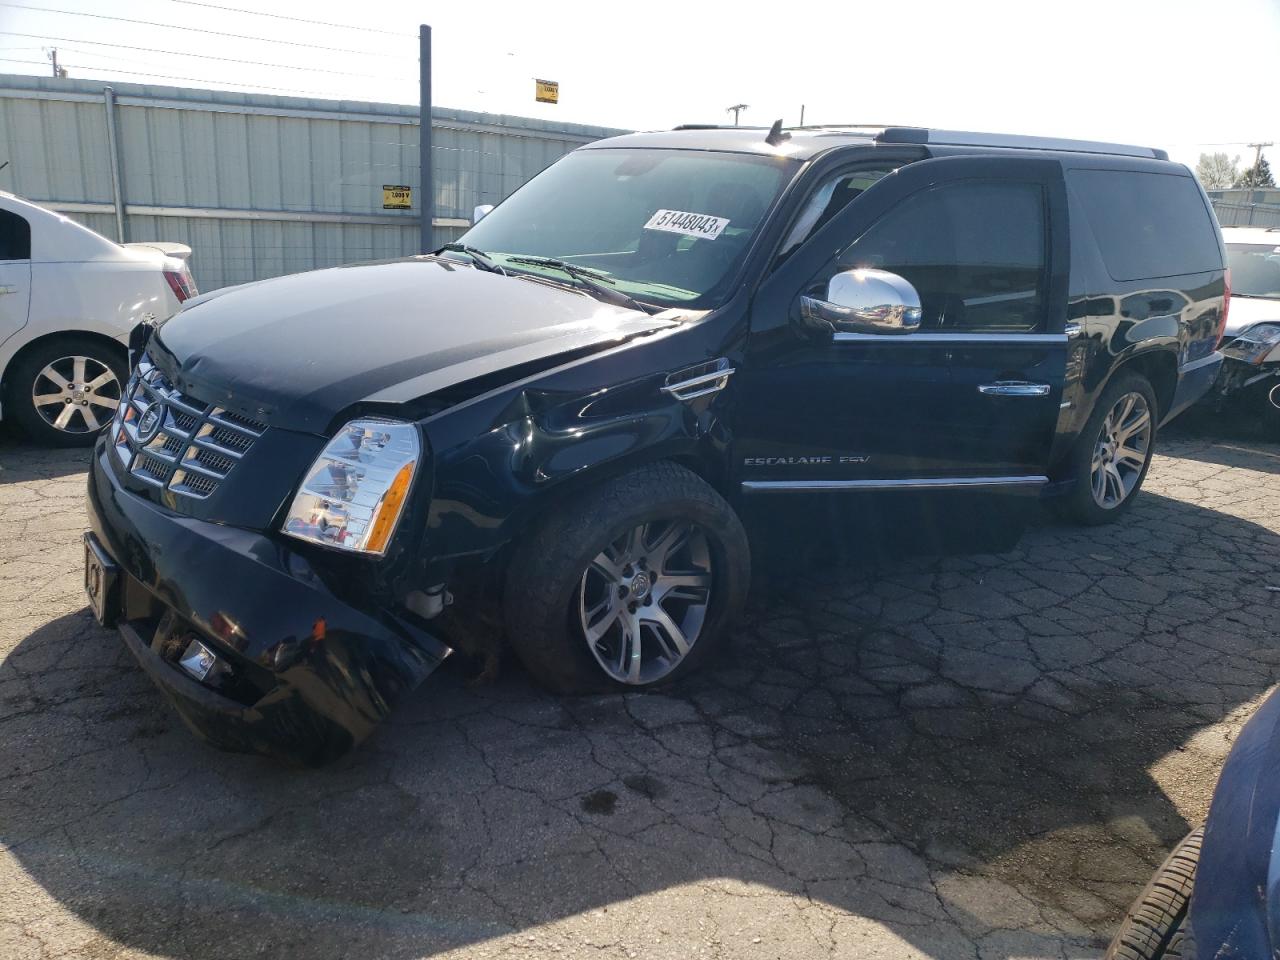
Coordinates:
[153,469]
[216,462]
[194,446]
[197,485]
[184,421]
[235,420]
[229,439]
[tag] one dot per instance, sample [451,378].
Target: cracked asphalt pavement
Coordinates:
[950,757]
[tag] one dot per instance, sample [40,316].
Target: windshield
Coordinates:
[1255,269]
[669,227]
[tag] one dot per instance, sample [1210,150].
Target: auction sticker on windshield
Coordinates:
[688,224]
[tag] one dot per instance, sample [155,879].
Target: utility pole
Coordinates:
[802,114]
[426,200]
[1257,157]
[58,71]
[736,109]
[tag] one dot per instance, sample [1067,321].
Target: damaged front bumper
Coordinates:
[295,672]
[1250,359]
[1241,382]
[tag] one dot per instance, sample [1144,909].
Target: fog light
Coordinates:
[197,660]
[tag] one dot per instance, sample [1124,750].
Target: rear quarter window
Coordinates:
[15,237]
[1147,224]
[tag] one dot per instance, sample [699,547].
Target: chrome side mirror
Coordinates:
[480,212]
[864,301]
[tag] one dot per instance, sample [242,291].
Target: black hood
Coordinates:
[296,351]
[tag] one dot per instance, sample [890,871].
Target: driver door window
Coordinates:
[974,250]
[825,202]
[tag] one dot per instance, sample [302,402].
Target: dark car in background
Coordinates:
[317,485]
[1217,897]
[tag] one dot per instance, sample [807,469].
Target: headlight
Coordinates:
[353,494]
[1253,345]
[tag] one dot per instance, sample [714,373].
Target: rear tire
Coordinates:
[64,391]
[653,565]
[1113,452]
[1155,928]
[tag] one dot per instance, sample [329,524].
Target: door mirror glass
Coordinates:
[864,301]
[480,212]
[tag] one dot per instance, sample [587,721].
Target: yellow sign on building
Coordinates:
[547,91]
[397,197]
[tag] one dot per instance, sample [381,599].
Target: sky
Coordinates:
[1188,77]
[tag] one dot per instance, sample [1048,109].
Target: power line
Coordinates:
[106,56]
[169,76]
[213,33]
[201,56]
[280,16]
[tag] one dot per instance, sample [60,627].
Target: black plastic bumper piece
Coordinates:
[301,674]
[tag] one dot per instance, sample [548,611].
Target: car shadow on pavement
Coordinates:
[20,462]
[1234,439]
[981,755]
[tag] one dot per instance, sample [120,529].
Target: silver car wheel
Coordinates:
[643,600]
[1121,450]
[76,394]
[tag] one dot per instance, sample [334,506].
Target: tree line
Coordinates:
[1217,171]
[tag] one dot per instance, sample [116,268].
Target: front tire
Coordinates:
[630,586]
[1155,928]
[65,390]
[1113,452]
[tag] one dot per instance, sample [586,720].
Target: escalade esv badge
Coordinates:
[549,434]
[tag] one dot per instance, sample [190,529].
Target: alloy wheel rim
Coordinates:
[643,600]
[76,394]
[1121,451]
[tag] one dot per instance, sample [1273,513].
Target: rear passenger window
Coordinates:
[1147,225]
[974,250]
[15,237]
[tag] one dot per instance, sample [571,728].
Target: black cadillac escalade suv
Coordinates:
[554,426]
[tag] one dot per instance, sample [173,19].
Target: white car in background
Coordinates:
[68,299]
[1251,341]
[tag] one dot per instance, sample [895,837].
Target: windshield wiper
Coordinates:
[479,257]
[593,280]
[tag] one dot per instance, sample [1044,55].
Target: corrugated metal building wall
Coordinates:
[1246,207]
[260,185]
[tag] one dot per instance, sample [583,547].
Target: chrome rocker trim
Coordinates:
[917,483]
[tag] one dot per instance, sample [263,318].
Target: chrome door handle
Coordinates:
[4,290]
[1014,388]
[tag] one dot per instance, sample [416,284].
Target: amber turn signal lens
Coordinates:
[389,510]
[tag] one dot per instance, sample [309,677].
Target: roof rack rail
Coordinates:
[715,126]
[886,133]
[969,138]
[849,126]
